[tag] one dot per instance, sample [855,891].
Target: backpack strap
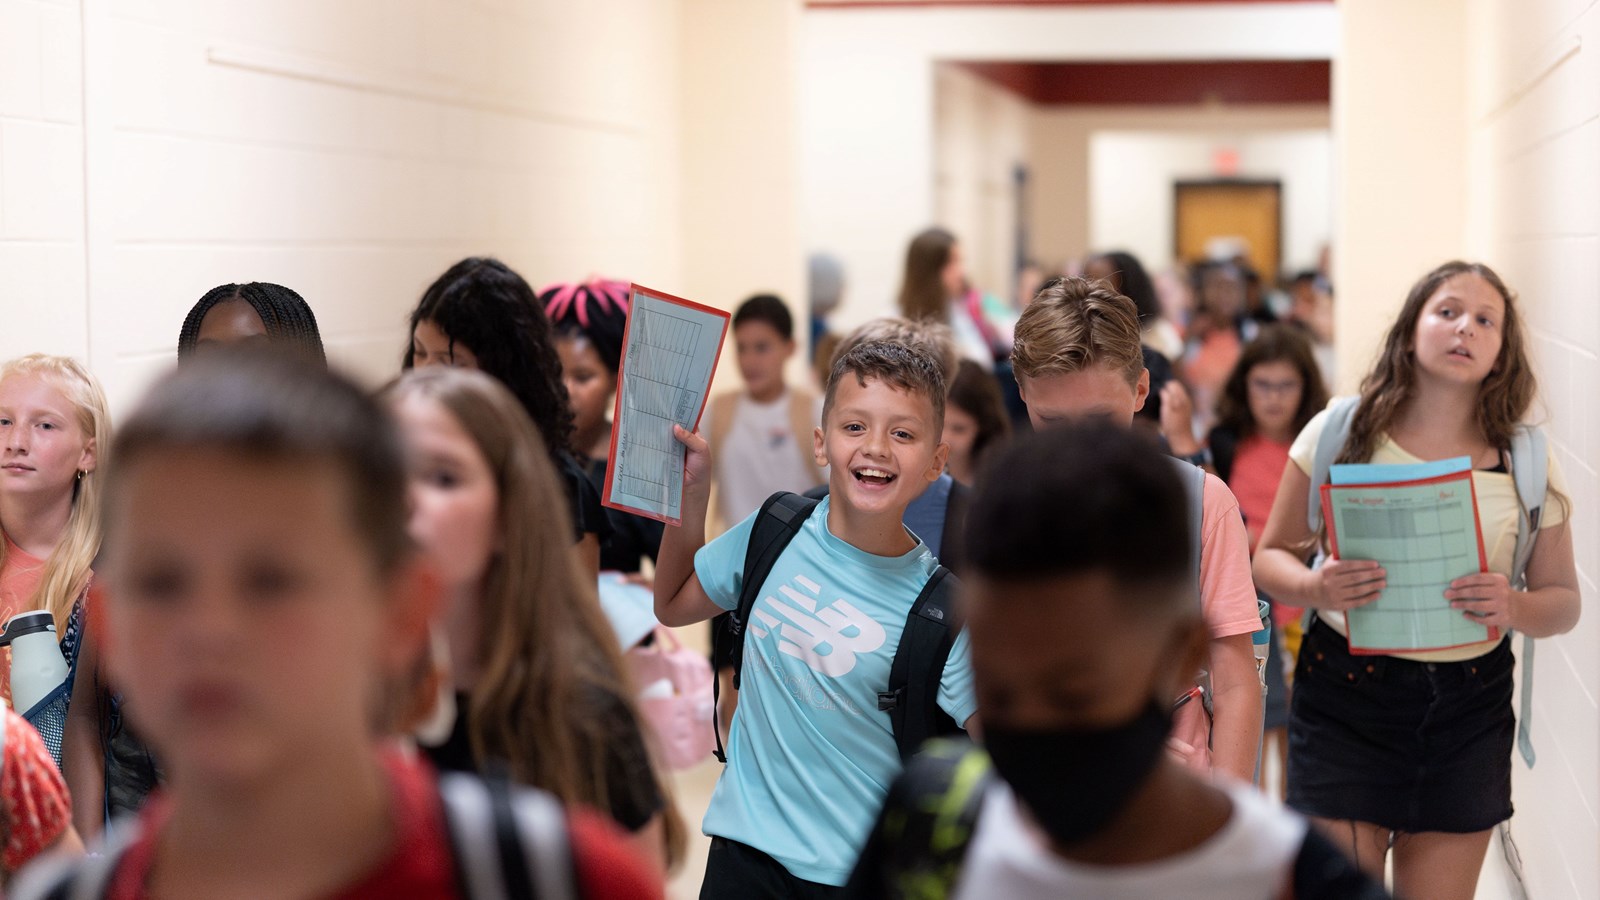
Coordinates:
[1335,431]
[955,527]
[508,842]
[803,421]
[1530,472]
[775,525]
[1194,490]
[912,697]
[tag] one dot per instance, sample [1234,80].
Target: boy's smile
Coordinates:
[882,445]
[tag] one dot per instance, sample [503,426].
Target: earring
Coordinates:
[81,473]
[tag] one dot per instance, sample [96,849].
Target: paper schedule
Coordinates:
[1425,534]
[669,354]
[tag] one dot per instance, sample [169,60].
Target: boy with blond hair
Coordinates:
[811,751]
[1077,357]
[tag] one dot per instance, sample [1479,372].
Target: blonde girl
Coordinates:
[540,681]
[1412,751]
[53,432]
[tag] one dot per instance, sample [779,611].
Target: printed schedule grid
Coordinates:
[649,458]
[1412,611]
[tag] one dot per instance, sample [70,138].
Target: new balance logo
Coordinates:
[828,639]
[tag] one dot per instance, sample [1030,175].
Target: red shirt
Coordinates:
[420,866]
[36,807]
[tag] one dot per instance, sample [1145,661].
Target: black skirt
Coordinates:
[1409,746]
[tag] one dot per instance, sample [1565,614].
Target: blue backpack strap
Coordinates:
[1530,472]
[508,842]
[912,697]
[775,525]
[1335,430]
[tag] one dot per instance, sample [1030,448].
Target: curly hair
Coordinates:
[481,304]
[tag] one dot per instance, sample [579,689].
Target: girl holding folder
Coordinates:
[1412,751]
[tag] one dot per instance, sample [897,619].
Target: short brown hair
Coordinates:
[933,338]
[906,366]
[1074,323]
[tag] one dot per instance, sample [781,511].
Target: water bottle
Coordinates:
[1261,640]
[37,666]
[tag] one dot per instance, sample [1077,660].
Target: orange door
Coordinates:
[1250,212]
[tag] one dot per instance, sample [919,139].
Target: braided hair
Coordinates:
[284,313]
[595,310]
[481,304]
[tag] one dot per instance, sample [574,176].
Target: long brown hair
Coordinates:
[1275,343]
[922,291]
[546,648]
[1503,397]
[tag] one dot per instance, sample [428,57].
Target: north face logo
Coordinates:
[828,640]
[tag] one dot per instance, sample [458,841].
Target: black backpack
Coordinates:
[911,698]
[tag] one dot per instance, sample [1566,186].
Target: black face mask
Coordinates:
[1075,780]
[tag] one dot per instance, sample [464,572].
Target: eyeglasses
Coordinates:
[1274,388]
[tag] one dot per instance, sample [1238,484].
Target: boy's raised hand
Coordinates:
[697,464]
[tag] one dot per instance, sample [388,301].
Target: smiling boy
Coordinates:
[810,755]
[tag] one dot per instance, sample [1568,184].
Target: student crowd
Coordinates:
[326,643]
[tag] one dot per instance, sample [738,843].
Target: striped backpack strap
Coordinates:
[509,843]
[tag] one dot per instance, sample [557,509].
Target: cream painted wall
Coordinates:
[1131,177]
[1402,160]
[1061,201]
[741,220]
[350,150]
[867,101]
[980,137]
[42,282]
[1533,211]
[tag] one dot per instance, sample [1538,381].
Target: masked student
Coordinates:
[1077,357]
[256,641]
[810,753]
[1083,628]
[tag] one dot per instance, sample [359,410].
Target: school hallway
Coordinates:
[709,148]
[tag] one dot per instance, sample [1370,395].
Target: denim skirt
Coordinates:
[1409,746]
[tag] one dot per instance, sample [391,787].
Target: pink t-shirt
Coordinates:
[1257,468]
[1227,593]
[19,579]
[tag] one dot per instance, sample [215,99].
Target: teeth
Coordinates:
[873,473]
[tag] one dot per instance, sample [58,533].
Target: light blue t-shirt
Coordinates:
[810,756]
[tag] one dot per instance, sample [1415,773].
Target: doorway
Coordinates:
[1248,213]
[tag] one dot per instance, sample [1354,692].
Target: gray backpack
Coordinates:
[1530,470]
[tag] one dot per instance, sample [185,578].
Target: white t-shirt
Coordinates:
[760,455]
[1251,858]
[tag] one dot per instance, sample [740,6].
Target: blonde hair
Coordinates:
[1074,323]
[67,571]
